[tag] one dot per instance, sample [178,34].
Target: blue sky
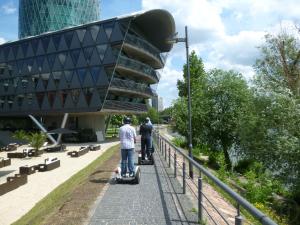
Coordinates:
[224,33]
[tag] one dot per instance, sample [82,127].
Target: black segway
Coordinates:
[127,179]
[146,161]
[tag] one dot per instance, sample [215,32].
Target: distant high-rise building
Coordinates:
[154,101]
[40,16]
[160,104]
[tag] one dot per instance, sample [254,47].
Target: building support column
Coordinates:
[63,124]
[43,129]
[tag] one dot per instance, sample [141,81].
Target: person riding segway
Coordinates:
[146,143]
[127,136]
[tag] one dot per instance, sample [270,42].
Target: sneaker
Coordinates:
[131,175]
[123,175]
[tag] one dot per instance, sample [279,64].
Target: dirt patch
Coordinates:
[75,210]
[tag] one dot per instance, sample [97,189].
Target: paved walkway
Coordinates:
[158,200]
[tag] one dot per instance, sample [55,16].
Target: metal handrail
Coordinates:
[148,47]
[264,219]
[138,66]
[131,85]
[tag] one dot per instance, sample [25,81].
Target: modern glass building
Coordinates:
[88,71]
[40,16]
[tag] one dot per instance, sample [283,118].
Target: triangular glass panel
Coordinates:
[108,27]
[63,84]
[81,33]
[94,31]
[34,103]
[45,104]
[51,47]
[69,62]
[34,43]
[62,45]
[29,52]
[30,86]
[57,102]
[40,86]
[88,40]
[2,55]
[117,34]
[2,92]
[96,101]
[81,60]
[68,37]
[51,60]
[95,59]
[62,58]
[45,41]
[20,88]
[57,65]
[102,38]
[103,79]
[88,81]
[69,75]
[51,84]
[24,47]
[81,74]
[75,41]
[109,57]
[11,55]
[51,97]
[40,98]
[101,50]
[75,82]
[88,54]
[20,54]
[69,104]
[35,68]
[40,48]
[45,67]
[75,55]
[15,105]
[81,104]
[6,106]
[25,104]
[56,40]
[15,50]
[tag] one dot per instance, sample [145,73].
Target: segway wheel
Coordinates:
[137,176]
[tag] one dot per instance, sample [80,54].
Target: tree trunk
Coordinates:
[226,156]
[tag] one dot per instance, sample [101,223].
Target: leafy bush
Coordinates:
[180,142]
[243,166]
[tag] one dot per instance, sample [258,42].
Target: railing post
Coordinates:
[165,151]
[238,219]
[200,188]
[183,177]
[169,157]
[175,164]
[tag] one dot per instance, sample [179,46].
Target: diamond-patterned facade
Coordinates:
[80,69]
[39,16]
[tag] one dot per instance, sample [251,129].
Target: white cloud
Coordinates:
[8,8]
[2,40]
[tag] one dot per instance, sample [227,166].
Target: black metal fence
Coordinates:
[178,160]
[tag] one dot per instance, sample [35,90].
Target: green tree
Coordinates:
[116,122]
[197,75]
[37,140]
[279,65]
[227,100]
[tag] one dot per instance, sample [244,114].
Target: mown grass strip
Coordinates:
[61,194]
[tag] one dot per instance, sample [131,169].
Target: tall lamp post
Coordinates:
[174,40]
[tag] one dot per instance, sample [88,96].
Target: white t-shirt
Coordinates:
[127,135]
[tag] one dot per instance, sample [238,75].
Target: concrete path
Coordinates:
[158,200]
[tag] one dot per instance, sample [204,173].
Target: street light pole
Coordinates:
[189,102]
[186,40]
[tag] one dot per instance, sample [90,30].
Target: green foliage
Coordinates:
[36,140]
[180,142]
[21,135]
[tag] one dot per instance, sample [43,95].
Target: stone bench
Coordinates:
[13,183]
[27,170]
[80,152]
[50,164]
[56,148]
[95,147]
[10,147]
[18,155]
[4,162]
[34,153]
